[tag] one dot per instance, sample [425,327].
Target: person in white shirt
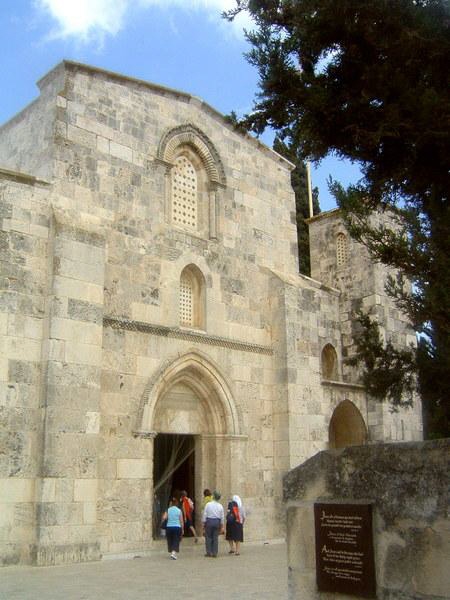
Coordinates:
[213,519]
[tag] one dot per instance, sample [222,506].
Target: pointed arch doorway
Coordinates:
[197,441]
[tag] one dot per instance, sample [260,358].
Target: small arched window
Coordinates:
[192,298]
[341,249]
[329,363]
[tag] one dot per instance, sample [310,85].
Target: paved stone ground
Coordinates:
[259,573]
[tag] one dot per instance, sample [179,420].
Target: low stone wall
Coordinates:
[408,487]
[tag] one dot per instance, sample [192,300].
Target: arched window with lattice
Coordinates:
[193,180]
[184,193]
[192,298]
[341,249]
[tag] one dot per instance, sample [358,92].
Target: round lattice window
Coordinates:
[184,193]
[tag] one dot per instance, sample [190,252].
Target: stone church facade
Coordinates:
[150,297]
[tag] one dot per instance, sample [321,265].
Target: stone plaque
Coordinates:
[344,549]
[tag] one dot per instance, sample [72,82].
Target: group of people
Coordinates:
[179,518]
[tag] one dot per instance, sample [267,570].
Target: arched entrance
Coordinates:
[190,412]
[181,417]
[347,427]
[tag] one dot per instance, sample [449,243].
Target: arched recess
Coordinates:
[347,426]
[329,363]
[194,177]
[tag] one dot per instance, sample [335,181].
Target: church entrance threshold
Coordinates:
[173,471]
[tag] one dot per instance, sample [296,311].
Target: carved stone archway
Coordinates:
[199,372]
[206,411]
[188,134]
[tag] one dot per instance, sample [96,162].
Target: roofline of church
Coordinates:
[73,65]
[334,212]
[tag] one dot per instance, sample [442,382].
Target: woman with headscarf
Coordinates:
[235,525]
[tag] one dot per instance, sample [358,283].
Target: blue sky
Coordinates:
[183,44]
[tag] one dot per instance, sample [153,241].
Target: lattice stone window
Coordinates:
[341,249]
[192,297]
[186,301]
[184,193]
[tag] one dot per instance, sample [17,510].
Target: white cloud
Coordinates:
[87,19]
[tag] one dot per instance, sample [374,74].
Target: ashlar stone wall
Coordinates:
[361,284]
[27,140]
[98,360]
[23,283]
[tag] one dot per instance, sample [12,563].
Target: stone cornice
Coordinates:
[182,334]
[19,177]
[334,212]
[343,385]
[225,436]
[146,435]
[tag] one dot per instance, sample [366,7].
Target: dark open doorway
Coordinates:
[173,471]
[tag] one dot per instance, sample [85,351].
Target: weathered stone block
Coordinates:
[70,455]
[84,311]
[78,289]
[59,554]
[14,490]
[52,513]
[86,354]
[89,513]
[21,371]
[120,151]
[46,489]
[85,490]
[134,468]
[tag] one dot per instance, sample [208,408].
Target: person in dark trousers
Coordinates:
[235,525]
[213,519]
[174,528]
